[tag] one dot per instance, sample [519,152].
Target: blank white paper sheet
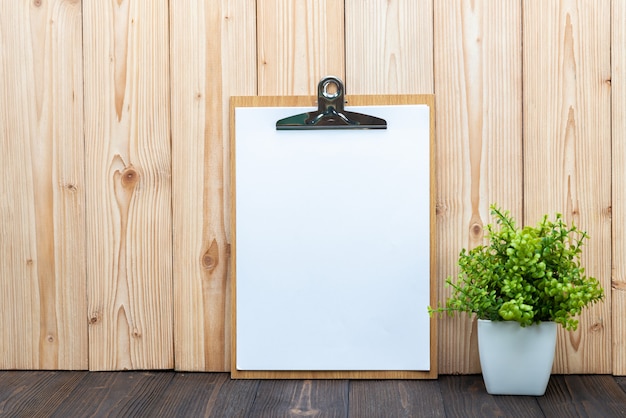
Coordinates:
[332,243]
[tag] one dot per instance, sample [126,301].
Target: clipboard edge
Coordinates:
[351,100]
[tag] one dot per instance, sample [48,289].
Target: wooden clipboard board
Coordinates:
[245,264]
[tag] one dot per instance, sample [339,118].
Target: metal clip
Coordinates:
[330,112]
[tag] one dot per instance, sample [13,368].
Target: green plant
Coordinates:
[528,274]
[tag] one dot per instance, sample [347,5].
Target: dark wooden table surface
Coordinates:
[172,394]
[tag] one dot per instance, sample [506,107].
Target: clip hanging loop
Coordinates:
[330,102]
[330,112]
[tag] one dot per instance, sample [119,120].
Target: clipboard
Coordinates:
[333,239]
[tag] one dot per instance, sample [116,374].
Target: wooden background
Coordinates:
[114,231]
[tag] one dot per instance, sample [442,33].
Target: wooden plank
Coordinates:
[567,150]
[213,56]
[618,204]
[395,398]
[389,47]
[479,142]
[301,398]
[53,393]
[19,302]
[235,398]
[205,394]
[299,42]
[466,396]
[109,394]
[558,398]
[36,393]
[129,232]
[42,274]
[583,396]
[360,100]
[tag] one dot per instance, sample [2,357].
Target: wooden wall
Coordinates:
[114,235]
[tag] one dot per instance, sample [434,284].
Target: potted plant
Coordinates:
[521,285]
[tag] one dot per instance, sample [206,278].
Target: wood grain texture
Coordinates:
[213,53]
[205,395]
[466,396]
[389,47]
[114,394]
[35,394]
[166,393]
[583,396]
[95,222]
[618,204]
[129,222]
[42,274]
[297,398]
[479,142]
[567,150]
[299,42]
[395,398]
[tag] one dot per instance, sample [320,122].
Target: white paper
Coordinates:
[332,243]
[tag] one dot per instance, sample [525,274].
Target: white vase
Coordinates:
[516,360]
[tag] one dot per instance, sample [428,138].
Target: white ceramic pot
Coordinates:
[516,360]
